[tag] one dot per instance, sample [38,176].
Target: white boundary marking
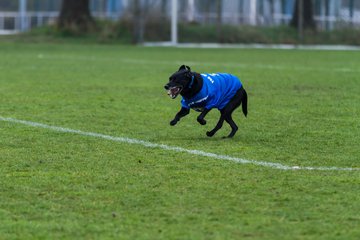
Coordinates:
[255,46]
[173,148]
[195,63]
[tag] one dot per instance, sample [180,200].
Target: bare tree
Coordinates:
[219,19]
[307,15]
[164,4]
[139,10]
[138,22]
[75,16]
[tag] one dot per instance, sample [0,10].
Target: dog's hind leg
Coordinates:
[217,127]
[234,103]
[225,115]
[232,124]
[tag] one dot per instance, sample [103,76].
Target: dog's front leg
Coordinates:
[182,113]
[201,117]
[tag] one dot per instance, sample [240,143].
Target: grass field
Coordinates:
[304,109]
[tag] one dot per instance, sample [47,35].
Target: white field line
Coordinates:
[173,148]
[254,46]
[195,63]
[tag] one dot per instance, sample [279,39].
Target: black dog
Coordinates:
[202,92]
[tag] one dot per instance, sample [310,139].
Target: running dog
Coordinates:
[203,92]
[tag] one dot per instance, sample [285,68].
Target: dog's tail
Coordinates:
[244,101]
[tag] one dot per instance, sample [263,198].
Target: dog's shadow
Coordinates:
[219,138]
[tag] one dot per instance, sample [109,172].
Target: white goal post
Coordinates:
[174,22]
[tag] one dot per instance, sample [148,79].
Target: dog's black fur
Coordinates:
[188,84]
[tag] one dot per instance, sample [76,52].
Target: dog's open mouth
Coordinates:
[174,92]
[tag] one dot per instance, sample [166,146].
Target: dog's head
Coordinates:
[181,80]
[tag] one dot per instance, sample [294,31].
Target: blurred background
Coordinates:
[222,21]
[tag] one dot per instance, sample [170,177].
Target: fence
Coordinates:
[14,22]
[329,14]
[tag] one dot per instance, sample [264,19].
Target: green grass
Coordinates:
[304,109]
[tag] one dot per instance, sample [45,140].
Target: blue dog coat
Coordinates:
[216,92]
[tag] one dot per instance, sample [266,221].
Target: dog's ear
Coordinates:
[184,67]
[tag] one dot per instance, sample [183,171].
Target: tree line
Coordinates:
[76,16]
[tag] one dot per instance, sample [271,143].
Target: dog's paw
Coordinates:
[201,121]
[173,122]
[210,134]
